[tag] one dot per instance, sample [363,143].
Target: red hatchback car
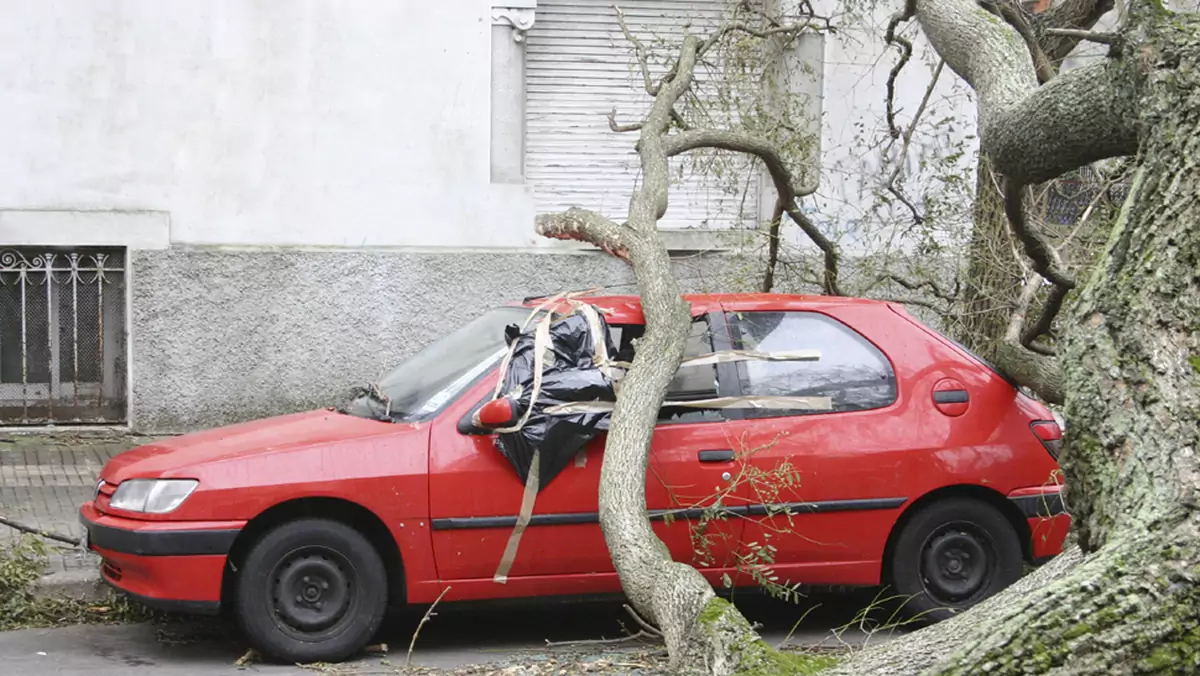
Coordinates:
[930,473]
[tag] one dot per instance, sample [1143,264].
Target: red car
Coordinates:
[930,473]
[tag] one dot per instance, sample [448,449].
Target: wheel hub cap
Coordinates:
[311,592]
[955,566]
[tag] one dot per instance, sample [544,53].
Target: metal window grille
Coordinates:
[62,336]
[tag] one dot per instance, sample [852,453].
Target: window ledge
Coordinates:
[699,240]
[131,229]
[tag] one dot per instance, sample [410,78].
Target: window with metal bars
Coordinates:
[62,335]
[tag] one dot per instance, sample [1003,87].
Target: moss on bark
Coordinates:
[750,655]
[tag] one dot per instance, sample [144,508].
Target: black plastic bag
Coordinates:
[569,374]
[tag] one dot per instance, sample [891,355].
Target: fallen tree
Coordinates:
[1126,599]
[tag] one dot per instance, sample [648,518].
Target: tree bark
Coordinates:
[1128,600]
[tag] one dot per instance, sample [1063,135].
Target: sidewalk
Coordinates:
[44,478]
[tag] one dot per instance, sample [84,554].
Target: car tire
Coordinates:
[951,555]
[311,590]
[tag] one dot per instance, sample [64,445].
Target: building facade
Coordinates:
[216,210]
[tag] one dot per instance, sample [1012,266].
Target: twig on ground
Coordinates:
[638,618]
[49,535]
[424,618]
[604,641]
[647,631]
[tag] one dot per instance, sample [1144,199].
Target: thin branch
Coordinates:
[639,51]
[678,120]
[424,618]
[1087,36]
[621,128]
[1078,15]
[49,535]
[934,287]
[1016,321]
[741,27]
[909,11]
[781,176]
[638,618]
[1045,258]
[773,246]
[908,134]
[604,641]
[830,283]
[740,142]
[1046,261]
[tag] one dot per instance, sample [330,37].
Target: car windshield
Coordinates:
[430,379]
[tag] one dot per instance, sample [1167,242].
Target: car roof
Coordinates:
[628,309]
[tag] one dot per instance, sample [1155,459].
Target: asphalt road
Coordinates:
[456,637]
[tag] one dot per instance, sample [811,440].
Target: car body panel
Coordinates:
[449,500]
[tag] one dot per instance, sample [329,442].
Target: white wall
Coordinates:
[258,122]
[311,122]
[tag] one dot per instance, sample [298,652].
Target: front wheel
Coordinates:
[951,555]
[311,590]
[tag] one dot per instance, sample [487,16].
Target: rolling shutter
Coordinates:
[579,67]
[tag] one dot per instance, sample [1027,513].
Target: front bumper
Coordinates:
[1046,513]
[172,566]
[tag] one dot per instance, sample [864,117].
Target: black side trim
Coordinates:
[865,505]
[1042,505]
[951,397]
[465,523]
[171,605]
[160,543]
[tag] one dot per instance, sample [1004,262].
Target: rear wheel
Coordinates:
[311,590]
[951,555]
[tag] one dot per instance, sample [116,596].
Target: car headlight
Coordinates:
[152,496]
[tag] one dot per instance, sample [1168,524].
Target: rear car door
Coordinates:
[837,471]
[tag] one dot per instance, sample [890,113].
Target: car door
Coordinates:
[475,494]
[837,471]
[695,463]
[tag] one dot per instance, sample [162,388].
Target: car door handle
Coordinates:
[723,455]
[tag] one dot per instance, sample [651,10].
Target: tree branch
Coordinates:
[621,128]
[934,287]
[49,535]
[1045,258]
[1068,14]
[908,134]
[768,282]
[1085,36]
[781,176]
[1011,14]
[639,51]
[1031,133]
[909,11]
[587,226]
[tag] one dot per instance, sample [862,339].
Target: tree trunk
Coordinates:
[704,634]
[993,275]
[1128,600]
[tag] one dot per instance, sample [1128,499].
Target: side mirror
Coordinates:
[496,413]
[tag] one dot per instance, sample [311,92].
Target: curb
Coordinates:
[82,584]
